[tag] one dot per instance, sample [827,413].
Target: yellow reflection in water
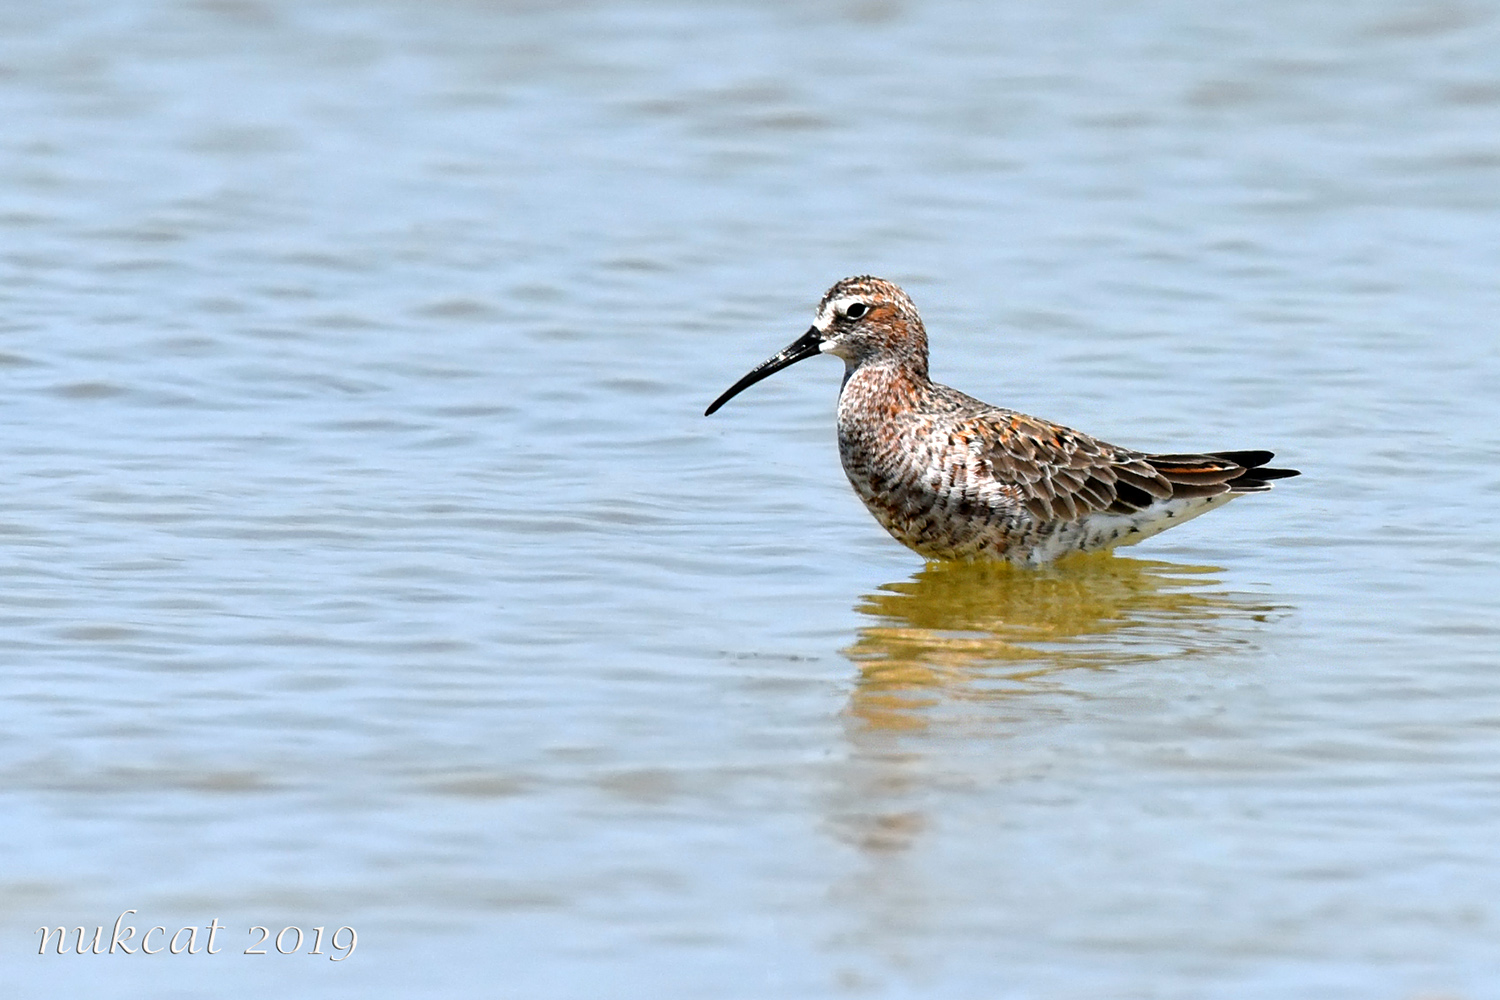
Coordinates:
[942,659]
[984,630]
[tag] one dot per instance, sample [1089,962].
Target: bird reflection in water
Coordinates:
[988,630]
[976,636]
[950,665]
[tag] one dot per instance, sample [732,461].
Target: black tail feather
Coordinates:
[1217,472]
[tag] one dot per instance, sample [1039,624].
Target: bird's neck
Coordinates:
[881,385]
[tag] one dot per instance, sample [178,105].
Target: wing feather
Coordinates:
[1063,474]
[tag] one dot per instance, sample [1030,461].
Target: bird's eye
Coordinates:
[856,310]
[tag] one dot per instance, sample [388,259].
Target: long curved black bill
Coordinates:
[800,349]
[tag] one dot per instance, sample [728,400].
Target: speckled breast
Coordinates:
[927,485]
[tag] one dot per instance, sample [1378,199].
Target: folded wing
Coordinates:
[1062,474]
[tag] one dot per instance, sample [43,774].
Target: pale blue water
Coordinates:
[368,560]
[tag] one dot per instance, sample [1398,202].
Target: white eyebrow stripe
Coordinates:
[837,307]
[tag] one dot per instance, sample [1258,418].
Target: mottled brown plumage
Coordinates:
[956,478]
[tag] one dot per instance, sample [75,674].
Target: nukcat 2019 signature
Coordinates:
[188,941]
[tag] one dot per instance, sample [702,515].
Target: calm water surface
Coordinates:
[367,560]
